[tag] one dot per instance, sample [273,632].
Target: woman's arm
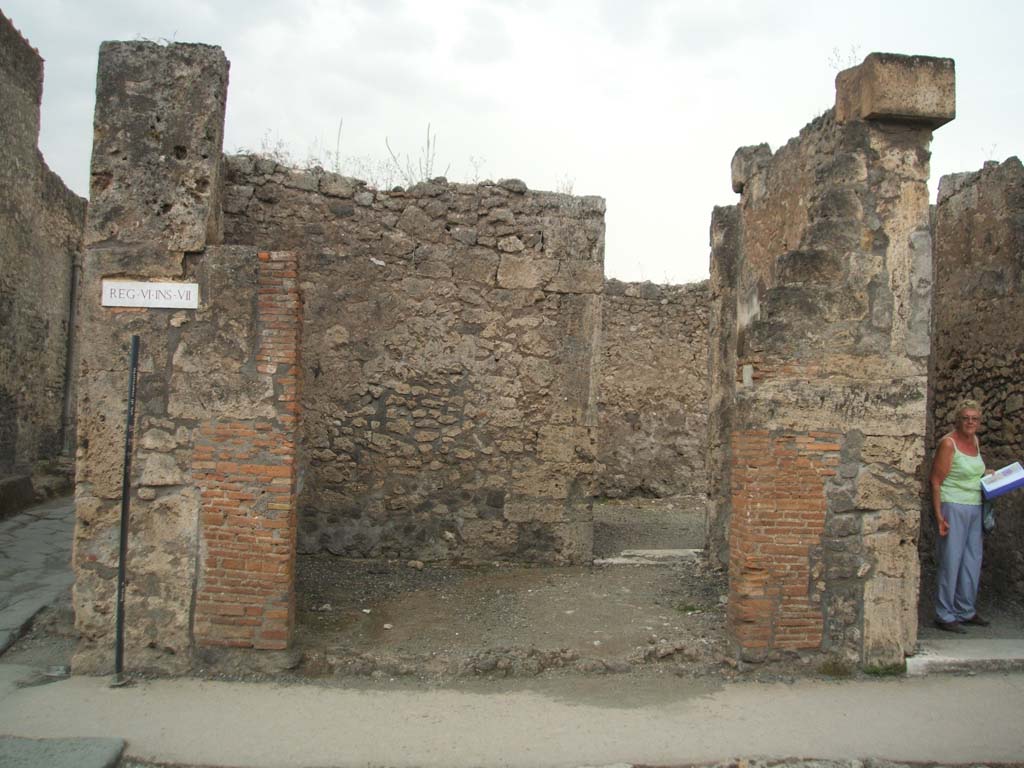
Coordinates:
[940,468]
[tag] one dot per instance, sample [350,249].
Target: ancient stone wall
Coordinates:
[977,346]
[833,293]
[41,225]
[449,353]
[212,531]
[652,396]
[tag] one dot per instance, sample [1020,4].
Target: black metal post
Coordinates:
[126,483]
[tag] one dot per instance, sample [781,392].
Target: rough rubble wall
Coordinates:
[832,342]
[449,353]
[977,347]
[721,377]
[652,398]
[41,225]
[211,539]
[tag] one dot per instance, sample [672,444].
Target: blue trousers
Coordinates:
[959,559]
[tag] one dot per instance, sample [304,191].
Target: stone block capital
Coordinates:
[897,88]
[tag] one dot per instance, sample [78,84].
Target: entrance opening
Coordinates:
[658,610]
[977,354]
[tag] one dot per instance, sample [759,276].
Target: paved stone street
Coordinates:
[35,563]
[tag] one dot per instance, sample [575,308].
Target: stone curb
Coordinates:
[60,753]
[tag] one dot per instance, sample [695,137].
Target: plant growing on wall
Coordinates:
[423,168]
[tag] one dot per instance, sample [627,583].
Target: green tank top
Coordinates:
[963,483]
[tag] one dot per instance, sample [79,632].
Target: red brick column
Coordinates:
[246,473]
[776,528]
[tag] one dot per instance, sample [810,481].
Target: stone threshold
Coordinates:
[650,557]
[966,655]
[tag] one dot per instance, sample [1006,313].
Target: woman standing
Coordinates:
[956,501]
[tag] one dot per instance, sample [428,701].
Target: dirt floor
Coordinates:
[448,625]
[359,618]
[436,623]
[441,622]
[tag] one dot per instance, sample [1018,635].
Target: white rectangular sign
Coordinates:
[132,293]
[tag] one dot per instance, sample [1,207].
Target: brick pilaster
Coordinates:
[246,473]
[776,528]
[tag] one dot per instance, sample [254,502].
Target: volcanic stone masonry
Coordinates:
[652,399]
[833,288]
[977,342]
[40,240]
[449,354]
[211,545]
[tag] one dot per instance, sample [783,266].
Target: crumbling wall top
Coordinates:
[746,163]
[19,61]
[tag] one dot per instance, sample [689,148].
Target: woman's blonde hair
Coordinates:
[966,405]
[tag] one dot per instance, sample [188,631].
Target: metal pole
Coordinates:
[129,434]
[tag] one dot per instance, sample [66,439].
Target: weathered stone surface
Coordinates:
[223,332]
[833,287]
[978,350]
[747,163]
[889,86]
[525,272]
[653,389]
[722,326]
[161,469]
[449,344]
[890,595]
[212,525]
[41,225]
[156,178]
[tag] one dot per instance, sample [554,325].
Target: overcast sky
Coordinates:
[640,101]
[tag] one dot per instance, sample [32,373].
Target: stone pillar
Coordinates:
[155,209]
[833,298]
[977,347]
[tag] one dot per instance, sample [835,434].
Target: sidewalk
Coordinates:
[35,563]
[563,722]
